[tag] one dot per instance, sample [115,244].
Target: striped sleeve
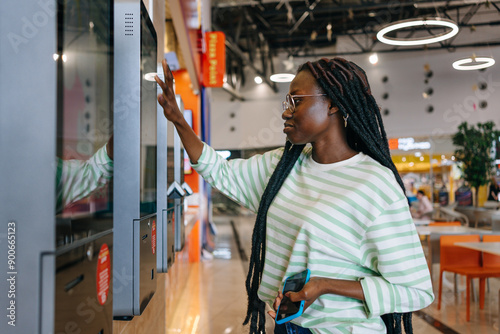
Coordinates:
[393,248]
[76,179]
[242,180]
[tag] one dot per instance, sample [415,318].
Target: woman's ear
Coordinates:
[332,109]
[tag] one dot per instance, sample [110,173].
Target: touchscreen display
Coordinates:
[84,172]
[148,116]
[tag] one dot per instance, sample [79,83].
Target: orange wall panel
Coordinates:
[192,102]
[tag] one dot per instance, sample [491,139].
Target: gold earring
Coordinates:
[345,120]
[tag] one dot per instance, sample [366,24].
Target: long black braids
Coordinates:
[347,85]
[256,308]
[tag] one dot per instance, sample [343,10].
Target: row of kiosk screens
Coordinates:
[119,221]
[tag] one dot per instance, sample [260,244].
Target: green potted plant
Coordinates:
[473,149]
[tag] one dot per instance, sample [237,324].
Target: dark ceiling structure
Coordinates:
[257,31]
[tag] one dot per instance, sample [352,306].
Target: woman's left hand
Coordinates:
[309,293]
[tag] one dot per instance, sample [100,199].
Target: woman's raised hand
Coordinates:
[167,98]
[192,144]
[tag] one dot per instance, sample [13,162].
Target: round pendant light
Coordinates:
[473,63]
[425,22]
[282,77]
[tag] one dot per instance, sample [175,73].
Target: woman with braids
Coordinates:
[336,207]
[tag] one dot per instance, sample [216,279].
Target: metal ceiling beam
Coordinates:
[304,16]
[471,45]
[357,43]
[236,50]
[233,92]
[341,6]
[262,20]
[237,33]
[465,20]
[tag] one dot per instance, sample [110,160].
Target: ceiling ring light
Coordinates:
[481,62]
[435,21]
[282,77]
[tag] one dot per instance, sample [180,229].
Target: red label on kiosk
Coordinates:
[214,59]
[173,221]
[103,274]
[153,237]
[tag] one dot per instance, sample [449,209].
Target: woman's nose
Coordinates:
[287,114]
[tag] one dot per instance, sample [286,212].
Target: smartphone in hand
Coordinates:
[288,310]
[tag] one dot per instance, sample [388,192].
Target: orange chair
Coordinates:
[445,224]
[491,260]
[465,262]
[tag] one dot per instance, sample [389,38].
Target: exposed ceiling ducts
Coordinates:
[257,31]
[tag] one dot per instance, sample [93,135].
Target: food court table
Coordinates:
[428,230]
[420,222]
[487,247]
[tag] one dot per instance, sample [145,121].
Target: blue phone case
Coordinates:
[307,274]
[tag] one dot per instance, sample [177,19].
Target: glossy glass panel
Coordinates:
[84,118]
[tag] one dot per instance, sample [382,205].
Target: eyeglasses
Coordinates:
[289,102]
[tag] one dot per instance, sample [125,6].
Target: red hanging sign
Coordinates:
[214,59]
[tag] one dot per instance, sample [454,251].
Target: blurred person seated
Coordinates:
[494,190]
[425,208]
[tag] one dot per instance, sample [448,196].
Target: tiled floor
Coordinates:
[214,300]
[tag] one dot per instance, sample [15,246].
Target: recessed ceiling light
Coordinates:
[437,21]
[150,76]
[282,77]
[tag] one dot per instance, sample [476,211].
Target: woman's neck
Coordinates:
[324,154]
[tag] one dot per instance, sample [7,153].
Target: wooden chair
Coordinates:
[465,262]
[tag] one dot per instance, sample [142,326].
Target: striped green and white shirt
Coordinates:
[347,220]
[76,179]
